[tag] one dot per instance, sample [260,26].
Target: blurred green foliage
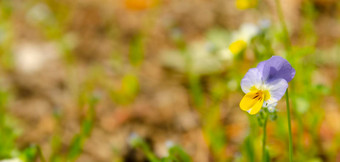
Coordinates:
[211,78]
[175,152]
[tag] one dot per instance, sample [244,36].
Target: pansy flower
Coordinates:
[266,84]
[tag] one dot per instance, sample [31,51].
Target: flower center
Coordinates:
[259,93]
[253,100]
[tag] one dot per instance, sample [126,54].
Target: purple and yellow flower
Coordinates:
[266,84]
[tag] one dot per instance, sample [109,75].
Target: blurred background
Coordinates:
[151,80]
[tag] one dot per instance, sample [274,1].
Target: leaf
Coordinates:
[136,50]
[176,152]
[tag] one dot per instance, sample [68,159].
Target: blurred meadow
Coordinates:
[159,80]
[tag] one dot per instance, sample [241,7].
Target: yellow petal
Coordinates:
[138,4]
[245,4]
[252,101]
[237,47]
[242,4]
[257,107]
[266,95]
[247,101]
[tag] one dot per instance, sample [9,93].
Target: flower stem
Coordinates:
[40,154]
[289,129]
[264,138]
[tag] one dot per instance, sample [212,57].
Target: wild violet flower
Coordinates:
[266,84]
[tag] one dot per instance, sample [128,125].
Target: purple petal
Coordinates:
[252,78]
[277,89]
[276,68]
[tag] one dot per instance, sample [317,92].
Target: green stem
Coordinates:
[289,129]
[40,154]
[288,45]
[264,138]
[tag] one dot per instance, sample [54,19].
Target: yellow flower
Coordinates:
[138,5]
[237,47]
[245,4]
[242,38]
